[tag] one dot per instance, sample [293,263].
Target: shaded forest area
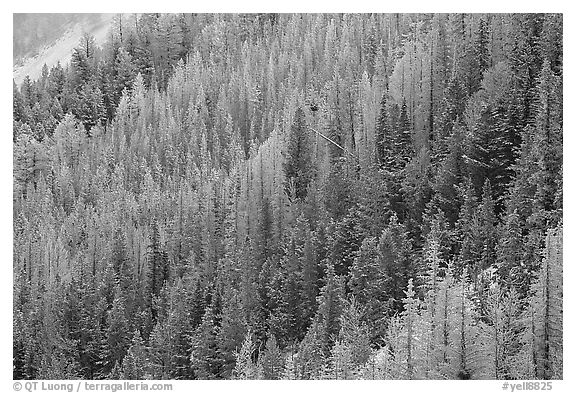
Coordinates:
[293,197]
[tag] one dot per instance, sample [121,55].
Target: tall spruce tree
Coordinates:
[298,167]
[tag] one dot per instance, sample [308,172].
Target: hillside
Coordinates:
[54,46]
[293,196]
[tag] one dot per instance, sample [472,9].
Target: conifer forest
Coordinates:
[293,196]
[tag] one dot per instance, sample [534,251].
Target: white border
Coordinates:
[484,6]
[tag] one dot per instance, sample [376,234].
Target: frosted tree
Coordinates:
[467,353]
[406,336]
[245,366]
[271,361]
[542,352]
[504,316]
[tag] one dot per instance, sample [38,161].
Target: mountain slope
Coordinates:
[60,49]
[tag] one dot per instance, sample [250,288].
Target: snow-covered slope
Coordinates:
[61,49]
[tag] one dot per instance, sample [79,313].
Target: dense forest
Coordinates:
[315,196]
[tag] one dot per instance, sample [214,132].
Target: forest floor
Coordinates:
[61,49]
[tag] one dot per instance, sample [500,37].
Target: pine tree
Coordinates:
[468,232]
[310,275]
[311,355]
[117,332]
[488,221]
[341,361]
[544,319]
[180,331]
[82,61]
[56,109]
[482,59]
[394,250]
[157,262]
[512,271]
[231,333]
[504,315]
[448,177]
[271,360]
[493,152]
[286,320]
[404,335]
[330,304]
[159,351]
[298,168]
[134,363]
[469,356]
[205,360]
[410,310]
[404,149]
[354,333]
[125,72]
[368,283]
[245,367]
[91,110]
[384,138]
[453,107]
[548,137]
[18,104]
[346,241]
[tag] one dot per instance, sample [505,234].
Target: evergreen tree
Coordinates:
[512,270]
[354,333]
[245,367]
[311,355]
[157,264]
[271,360]
[504,314]
[544,313]
[125,72]
[384,138]
[231,333]
[469,358]
[205,360]
[298,169]
[548,138]
[134,363]
[117,332]
[394,250]
[330,305]
[404,150]
[368,283]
